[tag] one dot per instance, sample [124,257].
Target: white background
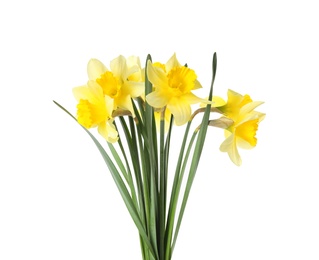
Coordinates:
[57,199]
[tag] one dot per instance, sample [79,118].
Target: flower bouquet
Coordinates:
[135,110]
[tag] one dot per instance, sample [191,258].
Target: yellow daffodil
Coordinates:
[122,83]
[242,133]
[173,84]
[95,109]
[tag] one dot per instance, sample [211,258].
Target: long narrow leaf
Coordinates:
[121,187]
[197,154]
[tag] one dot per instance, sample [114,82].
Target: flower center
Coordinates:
[90,115]
[247,131]
[111,85]
[181,79]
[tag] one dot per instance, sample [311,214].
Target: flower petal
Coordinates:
[109,104]
[108,131]
[155,99]
[92,92]
[119,68]
[133,88]
[156,75]
[229,146]
[180,109]
[244,144]
[125,102]
[172,63]
[250,107]
[197,84]
[218,101]
[193,99]
[95,69]
[81,92]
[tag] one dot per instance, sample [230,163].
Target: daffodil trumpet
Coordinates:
[135,110]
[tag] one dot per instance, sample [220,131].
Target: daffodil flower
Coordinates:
[95,110]
[121,83]
[173,84]
[242,133]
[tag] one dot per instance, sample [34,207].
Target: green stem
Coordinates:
[175,194]
[197,154]
[162,205]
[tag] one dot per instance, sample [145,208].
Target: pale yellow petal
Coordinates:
[109,104]
[250,107]
[250,116]
[95,88]
[108,131]
[155,99]
[125,103]
[133,88]
[197,84]
[180,109]
[229,146]
[82,92]
[92,92]
[134,68]
[172,63]
[190,98]
[218,101]
[119,68]
[244,144]
[95,69]
[133,61]
[261,116]
[156,75]
[233,95]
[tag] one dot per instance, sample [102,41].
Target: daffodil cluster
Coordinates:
[134,109]
[111,92]
[108,91]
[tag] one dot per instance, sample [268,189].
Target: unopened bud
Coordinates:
[223,122]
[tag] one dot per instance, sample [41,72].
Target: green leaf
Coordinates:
[197,154]
[121,187]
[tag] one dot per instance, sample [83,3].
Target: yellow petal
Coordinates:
[180,109]
[156,99]
[119,68]
[133,88]
[125,102]
[229,146]
[250,107]
[197,84]
[193,99]
[132,61]
[244,144]
[92,92]
[156,75]
[96,90]
[82,92]
[109,105]
[218,101]
[135,72]
[95,69]
[172,63]
[108,131]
